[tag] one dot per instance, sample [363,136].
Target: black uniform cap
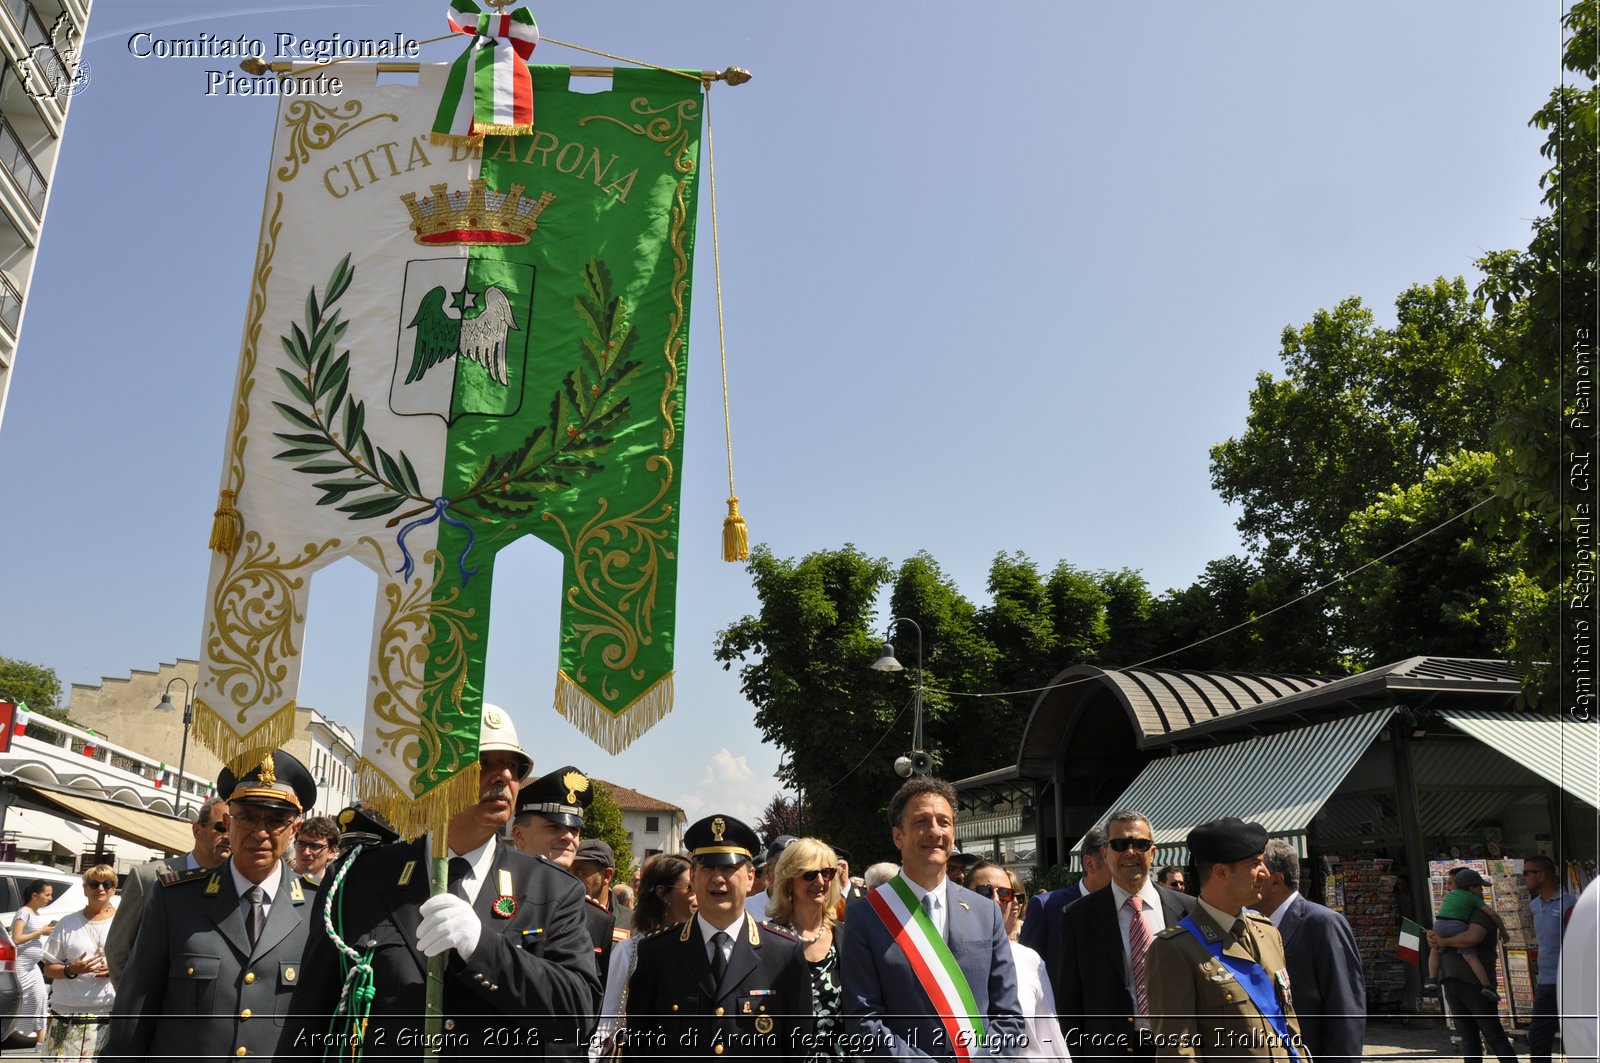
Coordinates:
[721,841]
[361,824]
[1223,841]
[560,795]
[279,781]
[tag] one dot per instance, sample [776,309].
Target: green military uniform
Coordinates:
[1198,1008]
[1199,1004]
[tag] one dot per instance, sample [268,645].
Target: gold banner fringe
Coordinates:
[227,526]
[735,535]
[242,752]
[508,129]
[613,731]
[415,816]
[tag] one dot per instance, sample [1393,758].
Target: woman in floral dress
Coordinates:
[805,895]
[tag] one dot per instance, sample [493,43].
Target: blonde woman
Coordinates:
[75,959]
[1034,993]
[805,894]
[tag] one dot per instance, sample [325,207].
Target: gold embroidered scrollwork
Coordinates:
[313,126]
[672,126]
[254,622]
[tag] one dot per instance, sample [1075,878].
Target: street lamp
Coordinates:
[188,719]
[917,762]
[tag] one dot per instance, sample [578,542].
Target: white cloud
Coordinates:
[728,786]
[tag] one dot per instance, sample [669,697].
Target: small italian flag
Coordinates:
[161,775]
[1410,941]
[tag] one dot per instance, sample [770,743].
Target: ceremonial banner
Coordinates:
[449,347]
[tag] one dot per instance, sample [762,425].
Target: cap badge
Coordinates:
[493,718]
[269,771]
[718,826]
[576,783]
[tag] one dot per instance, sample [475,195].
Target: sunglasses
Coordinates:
[99,885]
[1138,845]
[827,874]
[220,826]
[996,893]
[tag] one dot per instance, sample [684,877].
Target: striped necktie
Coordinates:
[1138,942]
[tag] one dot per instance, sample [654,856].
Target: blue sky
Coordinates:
[996,278]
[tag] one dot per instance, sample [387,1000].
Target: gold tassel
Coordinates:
[735,536]
[227,527]
[242,752]
[414,816]
[611,730]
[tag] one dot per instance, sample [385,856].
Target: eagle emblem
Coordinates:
[482,338]
[576,783]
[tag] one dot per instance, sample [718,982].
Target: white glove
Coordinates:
[448,922]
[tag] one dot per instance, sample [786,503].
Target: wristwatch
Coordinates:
[66,970]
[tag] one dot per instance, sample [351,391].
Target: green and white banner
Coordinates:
[449,347]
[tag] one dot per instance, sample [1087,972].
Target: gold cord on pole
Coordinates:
[735,535]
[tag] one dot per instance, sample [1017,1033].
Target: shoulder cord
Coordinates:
[358,990]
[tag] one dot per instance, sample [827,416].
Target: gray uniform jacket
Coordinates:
[131,899]
[194,987]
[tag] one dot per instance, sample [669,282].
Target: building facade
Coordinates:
[653,825]
[39,40]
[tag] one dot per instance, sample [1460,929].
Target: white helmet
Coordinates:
[499,734]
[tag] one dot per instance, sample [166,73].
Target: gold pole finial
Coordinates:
[736,75]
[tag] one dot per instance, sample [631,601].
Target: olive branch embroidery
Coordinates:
[584,410]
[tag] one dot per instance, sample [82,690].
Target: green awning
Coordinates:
[1561,749]
[1278,780]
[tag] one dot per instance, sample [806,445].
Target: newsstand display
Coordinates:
[1504,893]
[1363,890]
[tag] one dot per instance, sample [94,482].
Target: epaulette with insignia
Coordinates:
[779,931]
[1171,932]
[663,930]
[1258,917]
[174,878]
[597,904]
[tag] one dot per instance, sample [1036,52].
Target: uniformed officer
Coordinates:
[548,824]
[720,984]
[595,867]
[518,974]
[218,952]
[1218,984]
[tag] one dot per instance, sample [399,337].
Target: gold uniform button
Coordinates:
[241,1051]
[250,978]
[245,1014]
[1227,996]
[191,970]
[674,1007]
[719,1013]
[717,1049]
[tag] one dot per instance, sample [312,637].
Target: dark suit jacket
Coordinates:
[886,1011]
[1041,926]
[761,1007]
[530,987]
[194,986]
[1093,1000]
[1325,980]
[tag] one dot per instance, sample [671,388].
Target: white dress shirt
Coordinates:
[269,887]
[707,931]
[1038,1001]
[480,862]
[1283,909]
[941,911]
[1154,918]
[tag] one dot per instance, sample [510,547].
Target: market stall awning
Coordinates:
[1562,749]
[147,828]
[32,828]
[1278,780]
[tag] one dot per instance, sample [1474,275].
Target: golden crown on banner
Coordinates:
[478,215]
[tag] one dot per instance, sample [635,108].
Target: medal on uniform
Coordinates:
[763,1024]
[505,905]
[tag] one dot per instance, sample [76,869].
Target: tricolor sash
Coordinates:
[1256,981]
[932,961]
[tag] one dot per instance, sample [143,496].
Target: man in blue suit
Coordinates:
[915,942]
[1041,926]
[1319,951]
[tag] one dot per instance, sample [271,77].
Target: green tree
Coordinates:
[603,820]
[1545,303]
[1455,593]
[34,684]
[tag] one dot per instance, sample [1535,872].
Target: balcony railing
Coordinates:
[10,305]
[19,164]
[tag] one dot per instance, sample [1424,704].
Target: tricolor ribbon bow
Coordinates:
[489,89]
